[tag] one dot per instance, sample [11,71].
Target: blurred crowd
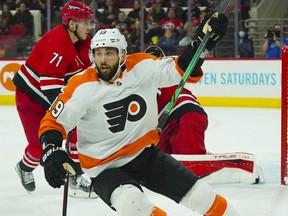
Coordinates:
[165,22]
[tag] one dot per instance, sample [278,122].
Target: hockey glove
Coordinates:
[214,23]
[57,164]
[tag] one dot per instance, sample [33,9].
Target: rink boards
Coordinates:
[225,82]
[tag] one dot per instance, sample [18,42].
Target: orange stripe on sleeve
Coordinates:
[149,138]
[49,122]
[190,79]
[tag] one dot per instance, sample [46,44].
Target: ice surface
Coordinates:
[250,130]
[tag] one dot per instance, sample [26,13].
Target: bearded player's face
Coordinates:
[107,62]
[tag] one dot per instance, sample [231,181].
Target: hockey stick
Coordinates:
[65,194]
[188,71]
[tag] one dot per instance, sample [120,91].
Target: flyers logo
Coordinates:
[131,108]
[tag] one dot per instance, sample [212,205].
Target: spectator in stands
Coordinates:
[155,32]
[109,14]
[194,22]
[273,43]
[135,37]
[11,4]
[245,44]
[3,28]
[122,23]
[195,12]
[169,42]
[172,20]
[6,17]
[101,3]
[156,12]
[40,5]
[136,13]
[188,38]
[175,5]
[244,10]
[24,17]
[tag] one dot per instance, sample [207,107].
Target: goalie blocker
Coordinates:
[238,167]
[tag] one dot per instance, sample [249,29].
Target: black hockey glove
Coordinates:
[57,164]
[214,23]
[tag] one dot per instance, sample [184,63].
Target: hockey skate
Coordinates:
[27,178]
[80,187]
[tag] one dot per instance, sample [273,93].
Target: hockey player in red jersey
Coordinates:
[184,130]
[61,53]
[114,107]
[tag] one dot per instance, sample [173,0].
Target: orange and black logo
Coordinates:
[6,75]
[131,108]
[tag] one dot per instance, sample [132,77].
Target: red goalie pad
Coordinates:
[223,168]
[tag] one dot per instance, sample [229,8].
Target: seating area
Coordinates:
[17,30]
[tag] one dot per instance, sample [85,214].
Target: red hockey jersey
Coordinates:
[53,60]
[186,102]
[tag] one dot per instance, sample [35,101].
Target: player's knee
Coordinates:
[203,199]
[128,200]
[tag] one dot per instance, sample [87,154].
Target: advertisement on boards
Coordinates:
[230,82]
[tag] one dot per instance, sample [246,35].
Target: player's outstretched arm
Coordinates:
[216,25]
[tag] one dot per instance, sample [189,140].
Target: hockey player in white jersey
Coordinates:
[114,107]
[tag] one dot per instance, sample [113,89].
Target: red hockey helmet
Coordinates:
[76,11]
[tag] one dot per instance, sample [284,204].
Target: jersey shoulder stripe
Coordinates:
[48,122]
[135,58]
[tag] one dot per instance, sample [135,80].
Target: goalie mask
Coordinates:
[109,38]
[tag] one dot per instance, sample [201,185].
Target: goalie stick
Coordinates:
[224,4]
[65,193]
[238,167]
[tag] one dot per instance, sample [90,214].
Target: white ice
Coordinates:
[250,130]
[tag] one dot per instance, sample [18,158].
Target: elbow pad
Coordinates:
[186,57]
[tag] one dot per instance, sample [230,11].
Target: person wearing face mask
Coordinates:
[245,44]
[273,43]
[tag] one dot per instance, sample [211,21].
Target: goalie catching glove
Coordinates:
[57,165]
[216,24]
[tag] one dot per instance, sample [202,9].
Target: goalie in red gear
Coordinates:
[184,131]
[57,56]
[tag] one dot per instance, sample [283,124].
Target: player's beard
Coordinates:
[108,76]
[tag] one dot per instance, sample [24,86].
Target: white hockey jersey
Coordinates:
[115,121]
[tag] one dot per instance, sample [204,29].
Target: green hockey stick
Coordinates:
[224,4]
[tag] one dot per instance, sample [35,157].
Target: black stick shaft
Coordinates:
[65,193]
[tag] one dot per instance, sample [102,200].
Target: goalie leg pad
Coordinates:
[128,200]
